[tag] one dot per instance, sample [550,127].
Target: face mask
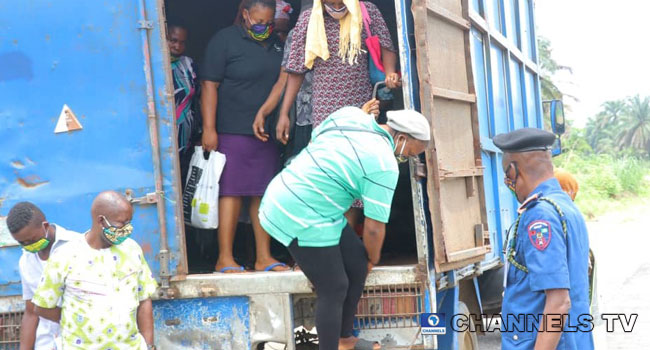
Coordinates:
[117,235]
[511,184]
[260,32]
[38,245]
[400,158]
[334,13]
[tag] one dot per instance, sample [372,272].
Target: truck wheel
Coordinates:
[467,340]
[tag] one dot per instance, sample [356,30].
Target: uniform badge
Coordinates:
[539,233]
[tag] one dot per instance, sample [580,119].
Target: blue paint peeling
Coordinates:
[202,324]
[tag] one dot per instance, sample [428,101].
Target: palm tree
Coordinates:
[611,112]
[548,67]
[600,133]
[635,131]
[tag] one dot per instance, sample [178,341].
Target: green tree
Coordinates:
[548,66]
[635,126]
[601,131]
[575,142]
[622,127]
[610,116]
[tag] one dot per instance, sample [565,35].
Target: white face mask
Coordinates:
[400,158]
[334,13]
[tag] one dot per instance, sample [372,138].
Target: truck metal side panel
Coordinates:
[202,323]
[454,165]
[508,97]
[90,56]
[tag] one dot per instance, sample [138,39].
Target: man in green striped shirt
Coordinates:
[350,157]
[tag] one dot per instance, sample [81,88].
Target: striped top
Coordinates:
[309,198]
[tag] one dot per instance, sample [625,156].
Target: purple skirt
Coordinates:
[250,165]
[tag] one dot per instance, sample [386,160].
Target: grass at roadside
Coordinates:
[607,183]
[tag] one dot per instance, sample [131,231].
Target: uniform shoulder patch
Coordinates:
[539,233]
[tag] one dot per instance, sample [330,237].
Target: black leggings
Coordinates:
[338,273]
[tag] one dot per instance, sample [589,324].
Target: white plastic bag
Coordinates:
[201,196]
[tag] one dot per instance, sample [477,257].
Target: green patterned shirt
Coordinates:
[100,291]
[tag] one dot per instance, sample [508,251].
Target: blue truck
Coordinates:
[86,105]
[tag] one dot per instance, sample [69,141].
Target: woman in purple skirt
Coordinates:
[241,66]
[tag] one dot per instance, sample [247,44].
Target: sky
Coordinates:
[607,45]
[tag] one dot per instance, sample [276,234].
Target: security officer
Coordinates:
[547,252]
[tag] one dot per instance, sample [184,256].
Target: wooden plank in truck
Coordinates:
[453,159]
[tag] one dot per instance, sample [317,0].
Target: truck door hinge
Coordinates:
[149,198]
[163,257]
[144,24]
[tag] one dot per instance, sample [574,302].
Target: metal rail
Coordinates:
[152,119]
[219,284]
[391,306]
[10,330]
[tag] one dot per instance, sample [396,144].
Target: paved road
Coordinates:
[621,243]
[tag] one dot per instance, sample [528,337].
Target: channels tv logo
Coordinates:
[433,324]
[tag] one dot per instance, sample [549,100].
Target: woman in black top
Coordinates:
[241,66]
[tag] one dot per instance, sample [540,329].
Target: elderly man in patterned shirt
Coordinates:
[103,282]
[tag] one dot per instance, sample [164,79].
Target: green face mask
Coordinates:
[117,235]
[38,245]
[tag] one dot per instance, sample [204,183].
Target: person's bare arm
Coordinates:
[53,314]
[294,82]
[558,304]
[28,327]
[373,239]
[389,60]
[209,102]
[145,320]
[269,105]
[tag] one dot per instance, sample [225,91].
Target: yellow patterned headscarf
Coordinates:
[349,35]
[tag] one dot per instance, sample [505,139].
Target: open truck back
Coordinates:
[469,66]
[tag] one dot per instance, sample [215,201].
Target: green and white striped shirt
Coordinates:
[350,157]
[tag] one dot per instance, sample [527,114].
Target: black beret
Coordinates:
[525,140]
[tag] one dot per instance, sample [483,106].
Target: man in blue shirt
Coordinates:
[546,300]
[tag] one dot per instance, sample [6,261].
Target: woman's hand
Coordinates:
[258,127]
[282,128]
[372,107]
[370,266]
[393,81]
[209,140]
